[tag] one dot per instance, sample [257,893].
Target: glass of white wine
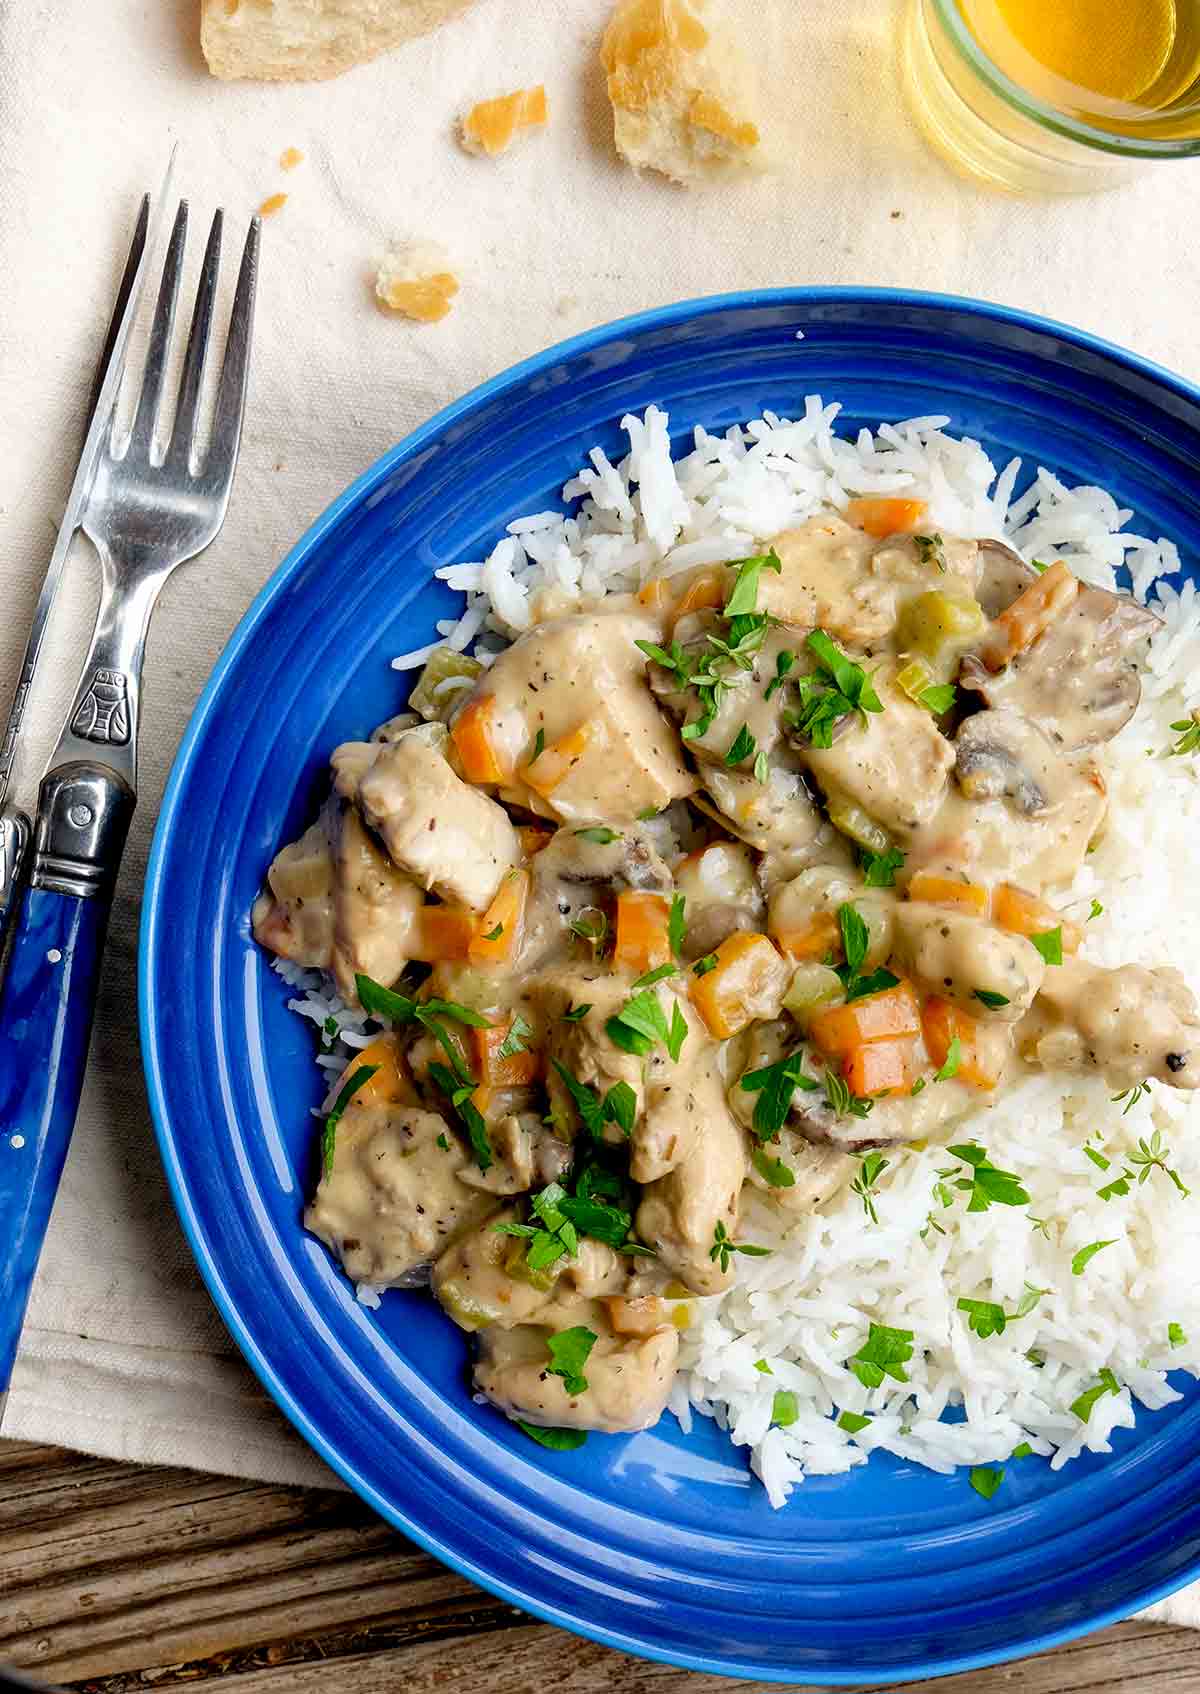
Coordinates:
[1055,95]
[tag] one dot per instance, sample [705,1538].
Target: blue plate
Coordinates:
[654,1543]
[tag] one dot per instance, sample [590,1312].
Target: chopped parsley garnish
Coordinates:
[775,1084]
[842,1103]
[986,1318]
[762,767]
[950,1064]
[329,1033]
[495,934]
[364,1073]
[1108,1384]
[517,1039]
[1080,1261]
[598,833]
[1175,1334]
[929,550]
[1152,1155]
[879,869]
[1131,1096]
[838,688]
[986,1185]
[783,664]
[743,747]
[539,746]
[870,1170]
[677,924]
[763,1367]
[443,1143]
[1188,731]
[569,1350]
[1120,1185]
[658,974]
[723,1245]
[618,1106]
[459,1095]
[1049,944]
[1024,1451]
[577,1013]
[646,813]
[592,929]
[989,997]
[856,939]
[558,1440]
[1096,911]
[704,965]
[744,595]
[853,1423]
[918,1086]
[985,1479]
[641,1023]
[1039,565]
[773,1171]
[1097,1158]
[884,1353]
[784,1408]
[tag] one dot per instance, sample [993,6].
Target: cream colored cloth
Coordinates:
[123,1353]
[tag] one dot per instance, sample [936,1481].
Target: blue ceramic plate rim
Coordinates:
[657,318]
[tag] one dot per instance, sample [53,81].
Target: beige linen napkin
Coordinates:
[123,1353]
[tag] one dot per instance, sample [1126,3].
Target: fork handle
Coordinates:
[47,1001]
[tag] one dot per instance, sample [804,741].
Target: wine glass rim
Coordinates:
[1046,116]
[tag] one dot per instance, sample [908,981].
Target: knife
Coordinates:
[14,825]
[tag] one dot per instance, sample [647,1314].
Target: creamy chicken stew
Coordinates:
[715,887]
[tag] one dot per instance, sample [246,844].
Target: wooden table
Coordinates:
[117,1577]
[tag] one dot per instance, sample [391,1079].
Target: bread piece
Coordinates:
[416,282]
[304,40]
[680,91]
[492,126]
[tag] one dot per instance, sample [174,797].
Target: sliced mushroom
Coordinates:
[1003,575]
[999,754]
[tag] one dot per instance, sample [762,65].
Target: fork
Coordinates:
[150,508]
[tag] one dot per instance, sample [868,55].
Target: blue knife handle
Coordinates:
[47,1000]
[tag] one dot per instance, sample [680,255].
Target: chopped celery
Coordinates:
[465,1307]
[939,626]
[813,986]
[850,818]
[434,702]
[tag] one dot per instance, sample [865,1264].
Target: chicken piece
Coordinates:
[606,751]
[679,93]
[293,916]
[803,914]
[722,896]
[1130,1024]
[990,972]
[448,836]
[818,1172]
[518,1150]
[894,765]
[391,1199]
[482,1279]
[679,1213]
[681,1099]
[827,582]
[576,876]
[375,910]
[628,1378]
[778,817]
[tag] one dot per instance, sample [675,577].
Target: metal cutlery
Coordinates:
[146,508]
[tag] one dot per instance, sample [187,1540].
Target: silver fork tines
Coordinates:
[149,511]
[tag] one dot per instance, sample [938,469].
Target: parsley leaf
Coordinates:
[929,550]
[841,1102]
[443,1143]
[762,767]
[704,965]
[599,833]
[870,1170]
[1175,1334]
[659,974]
[879,869]
[1082,1407]
[986,1184]
[773,1171]
[495,934]
[569,1350]
[885,1352]
[1049,944]
[1152,1155]
[459,1094]
[677,924]
[1188,731]
[577,1013]
[775,1085]
[517,1039]
[989,997]
[539,746]
[593,929]
[558,1440]
[364,1073]
[821,707]
[763,1367]
[985,1480]
[850,679]
[744,596]
[783,664]
[984,1317]
[856,937]
[641,1023]
[724,1244]
[1079,1262]
[1131,1096]
[618,1106]
[852,1422]
[743,747]
[1096,911]
[950,1064]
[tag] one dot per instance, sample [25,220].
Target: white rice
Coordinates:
[805,1309]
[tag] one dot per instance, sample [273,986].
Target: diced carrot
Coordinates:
[1030,614]
[879,1067]
[642,941]
[472,733]
[880,517]
[515,1070]
[748,981]
[949,891]
[816,940]
[942,1022]
[1022,913]
[656,593]
[390,1082]
[533,837]
[481,1099]
[705,590]
[641,1315]
[554,762]
[442,933]
[497,937]
[890,1015]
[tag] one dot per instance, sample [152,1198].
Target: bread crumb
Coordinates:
[290,158]
[492,126]
[679,90]
[272,204]
[416,282]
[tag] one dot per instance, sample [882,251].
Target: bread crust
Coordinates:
[311,40]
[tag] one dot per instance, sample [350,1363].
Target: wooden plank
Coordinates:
[121,1577]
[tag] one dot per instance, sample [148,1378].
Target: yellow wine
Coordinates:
[1131,67]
